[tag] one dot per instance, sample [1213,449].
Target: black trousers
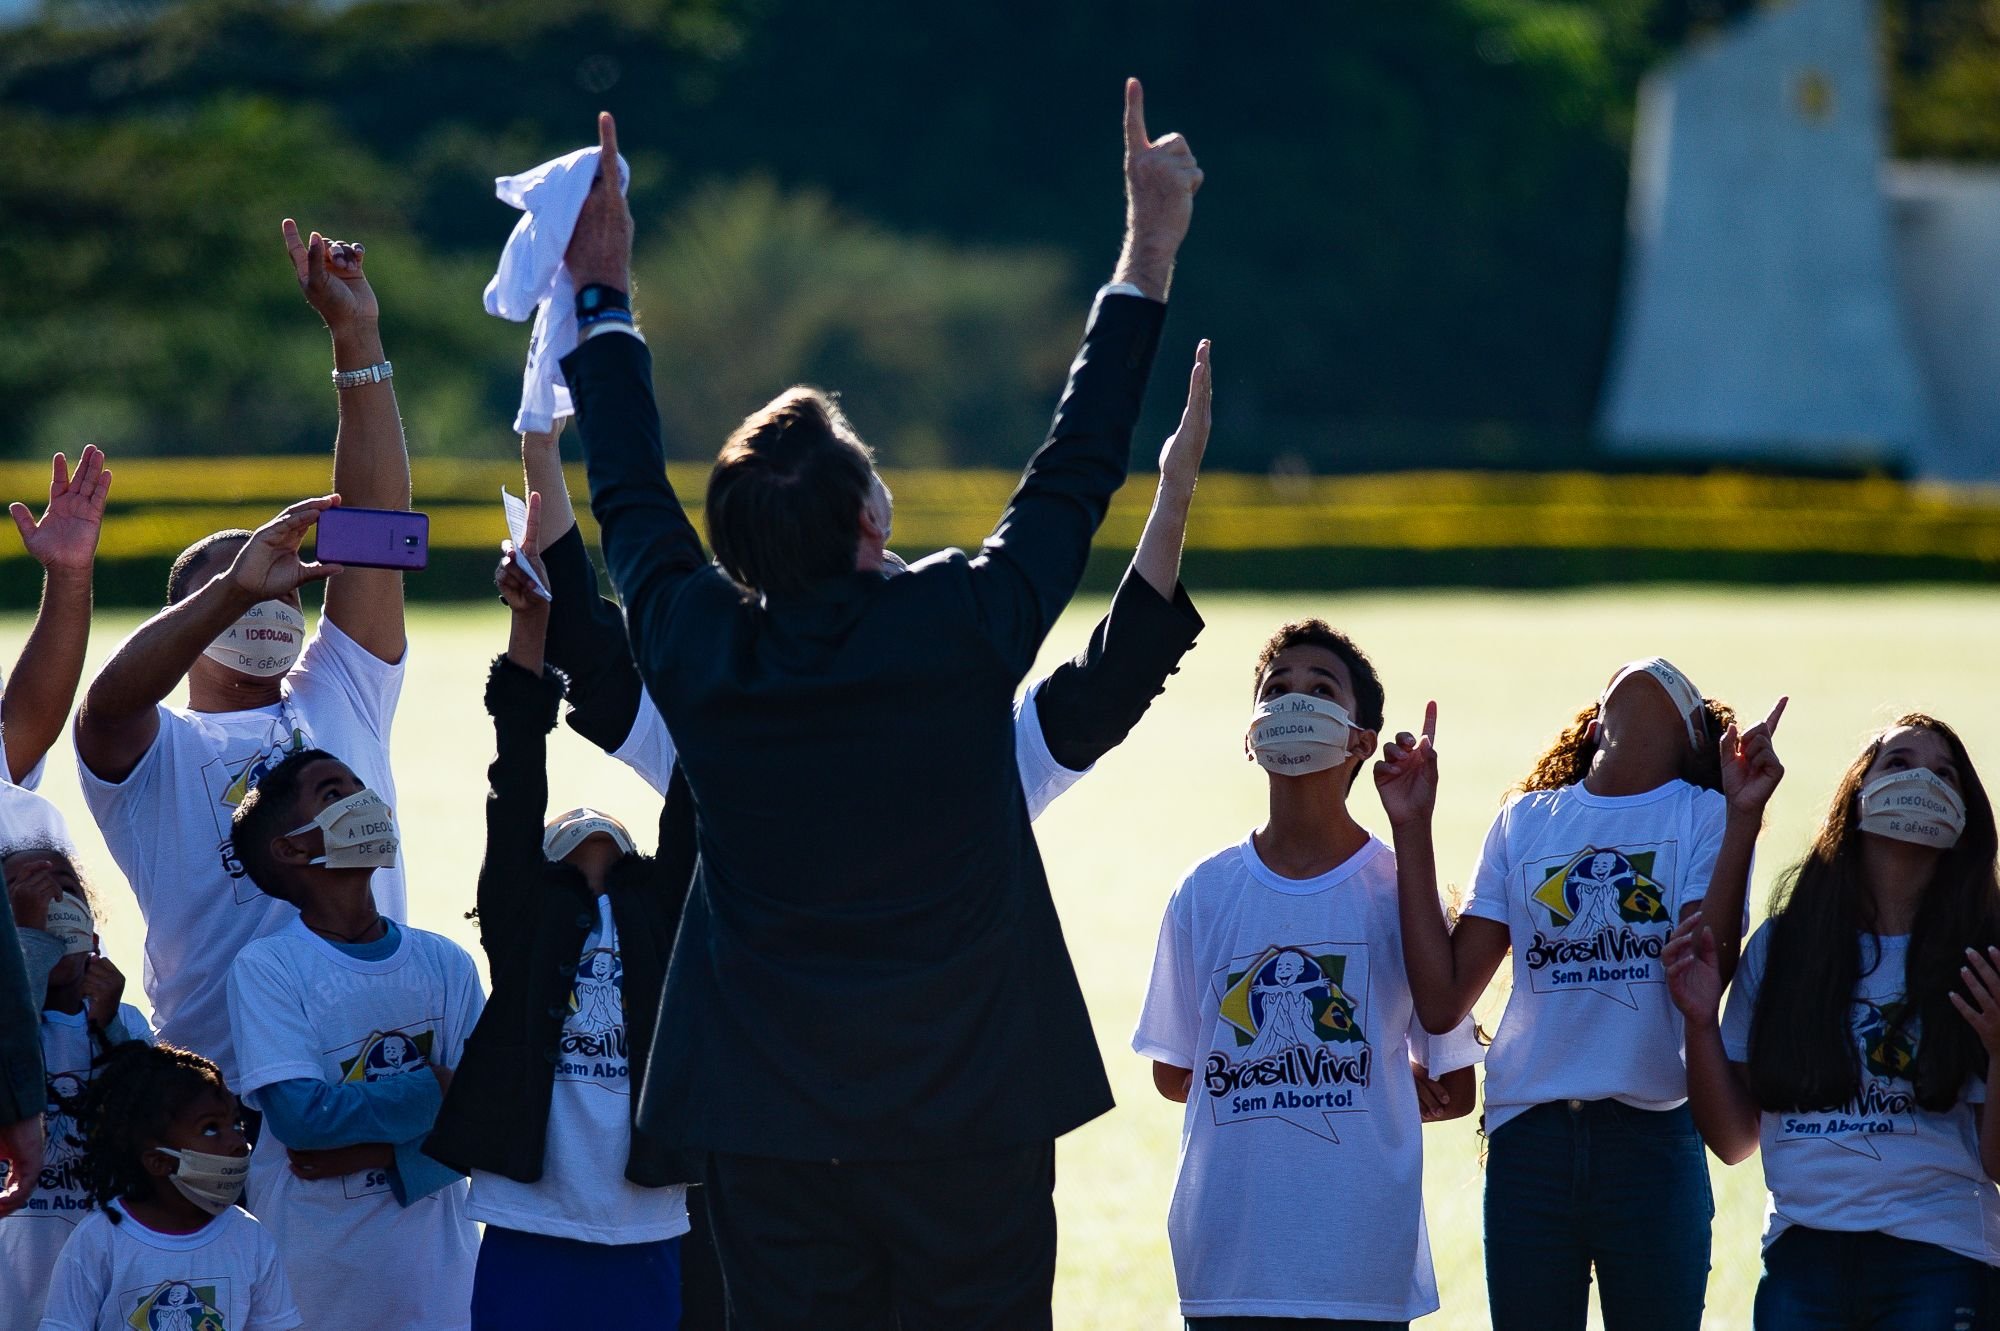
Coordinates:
[961,1244]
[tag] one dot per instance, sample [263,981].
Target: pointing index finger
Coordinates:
[1431,721]
[1135,118]
[1771,721]
[607,147]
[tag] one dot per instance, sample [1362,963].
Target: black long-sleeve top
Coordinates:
[870,965]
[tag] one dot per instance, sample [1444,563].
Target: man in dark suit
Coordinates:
[877,1033]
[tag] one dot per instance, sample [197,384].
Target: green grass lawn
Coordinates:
[1507,671]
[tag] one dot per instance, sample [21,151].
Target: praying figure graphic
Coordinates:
[1281,1001]
[597,1006]
[1598,883]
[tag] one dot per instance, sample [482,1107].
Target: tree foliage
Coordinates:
[1408,249]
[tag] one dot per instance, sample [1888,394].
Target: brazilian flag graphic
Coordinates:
[1888,1038]
[1334,1016]
[1644,902]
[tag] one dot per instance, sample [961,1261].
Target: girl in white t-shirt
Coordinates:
[1593,1159]
[1862,1032]
[81,1020]
[166,1155]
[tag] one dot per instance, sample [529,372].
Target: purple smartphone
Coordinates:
[374,538]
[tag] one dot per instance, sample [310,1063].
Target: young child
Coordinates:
[345,1027]
[165,1156]
[1279,1012]
[1593,1160]
[1860,1046]
[577,927]
[82,1020]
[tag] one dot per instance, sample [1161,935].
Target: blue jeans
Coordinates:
[1823,1280]
[1577,1184]
[535,1282]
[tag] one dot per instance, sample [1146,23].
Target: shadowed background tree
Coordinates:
[1410,257]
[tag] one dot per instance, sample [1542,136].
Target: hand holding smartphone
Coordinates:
[374,538]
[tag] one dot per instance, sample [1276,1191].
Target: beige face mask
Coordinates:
[69,920]
[1686,697]
[360,832]
[1915,806]
[266,641]
[572,829]
[1297,733]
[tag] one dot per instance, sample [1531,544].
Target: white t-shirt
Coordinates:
[649,750]
[1590,887]
[32,1237]
[1287,998]
[167,825]
[226,1276]
[26,818]
[301,1007]
[1881,1162]
[583,1193]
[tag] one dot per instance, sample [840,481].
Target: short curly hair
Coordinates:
[1370,699]
[131,1102]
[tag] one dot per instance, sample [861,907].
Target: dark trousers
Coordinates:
[1578,1184]
[1293,1324]
[961,1244]
[701,1272]
[1823,1280]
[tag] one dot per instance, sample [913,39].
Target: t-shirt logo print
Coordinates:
[62,1162]
[594,1046]
[1601,921]
[178,1305]
[387,1054]
[230,783]
[1292,1039]
[1888,1036]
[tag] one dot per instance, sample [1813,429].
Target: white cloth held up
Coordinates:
[532,278]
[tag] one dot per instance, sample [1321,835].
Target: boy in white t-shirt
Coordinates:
[161,780]
[165,1155]
[346,1026]
[82,1020]
[1279,1012]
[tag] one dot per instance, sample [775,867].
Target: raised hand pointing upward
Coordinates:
[1161,178]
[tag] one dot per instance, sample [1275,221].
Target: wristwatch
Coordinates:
[368,374]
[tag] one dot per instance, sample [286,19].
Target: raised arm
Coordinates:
[586,631]
[1089,704]
[1449,966]
[371,465]
[119,720]
[1029,567]
[522,698]
[1750,776]
[649,543]
[64,542]
[1718,1090]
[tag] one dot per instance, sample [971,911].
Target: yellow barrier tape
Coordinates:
[160,505]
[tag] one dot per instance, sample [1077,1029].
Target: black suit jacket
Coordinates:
[870,964]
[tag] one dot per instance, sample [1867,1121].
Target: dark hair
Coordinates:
[784,500]
[137,1092]
[1802,1048]
[264,815]
[44,846]
[1567,761]
[1369,698]
[180,578]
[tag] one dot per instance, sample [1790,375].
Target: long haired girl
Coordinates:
[1861,1033]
